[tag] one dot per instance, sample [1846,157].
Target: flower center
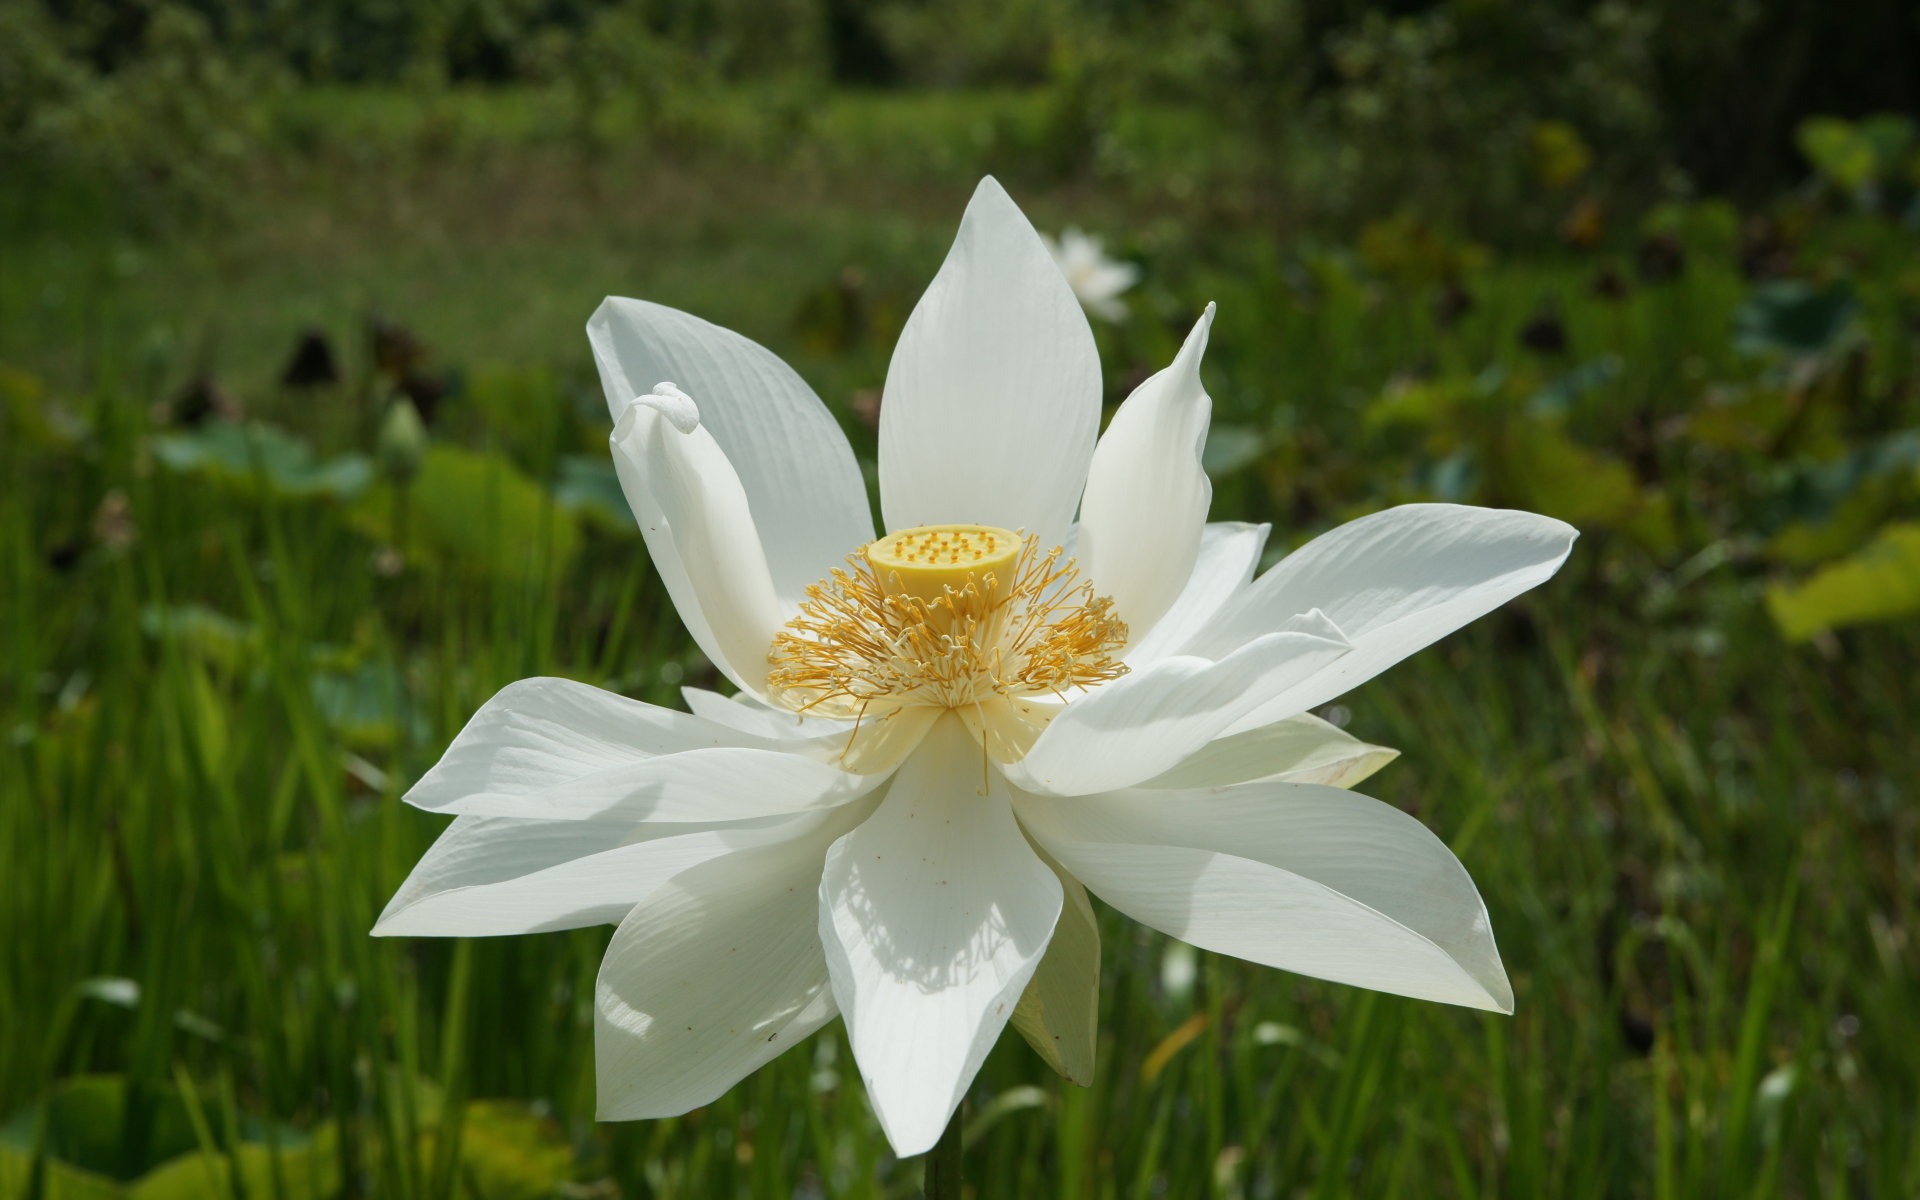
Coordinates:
[945,616]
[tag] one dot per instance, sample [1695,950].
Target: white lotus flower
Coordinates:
[1096,279]
[944,738]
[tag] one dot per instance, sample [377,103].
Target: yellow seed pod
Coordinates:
[927,560]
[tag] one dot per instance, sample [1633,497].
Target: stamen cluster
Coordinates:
[860,647]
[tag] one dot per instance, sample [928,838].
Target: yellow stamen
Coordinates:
[991,617]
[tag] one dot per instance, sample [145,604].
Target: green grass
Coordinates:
[1698,843]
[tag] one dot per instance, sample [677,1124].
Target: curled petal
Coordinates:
[700,532]
[798,473]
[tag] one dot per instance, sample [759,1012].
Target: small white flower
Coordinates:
[1096,279]
[943,734]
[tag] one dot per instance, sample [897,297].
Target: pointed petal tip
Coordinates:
[1496,992]
[1194,348]
[599,315]
[912,1137]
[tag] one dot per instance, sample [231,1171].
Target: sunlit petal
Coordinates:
[934,914]
[1394,582]
[715,975]
[1298,749]
[1312,879]
[504,875]
[1146,497]
[1228,556]
[1150,721]
[992,400]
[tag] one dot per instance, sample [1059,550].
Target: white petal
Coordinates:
[1148,722]
[716,974]
[693,513]
[992,400]
[1059,1013]
[868,746]
[698,786]
[1229,554]
[1299,749]
[535,736]
[1394,582]
[1312,879]
[747,714]
[934,914]
[506,875]
[802,484]
[1147,495]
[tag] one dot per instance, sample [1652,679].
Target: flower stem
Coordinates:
[942,1164]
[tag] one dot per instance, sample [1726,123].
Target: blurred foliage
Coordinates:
[1334,108]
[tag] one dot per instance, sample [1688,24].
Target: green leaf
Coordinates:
[1791,317]
[1881,582]
[1557,398]
[589,488]
[1834,507]
[476,511]
[202,633]
[1543,469]
[58,1180]
[103,1124]
[258,459]
[368,706]
[1838,151]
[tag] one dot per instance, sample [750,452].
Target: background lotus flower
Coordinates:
[1097,280]
[897,818]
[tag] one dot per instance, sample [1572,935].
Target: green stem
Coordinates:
[942,1164]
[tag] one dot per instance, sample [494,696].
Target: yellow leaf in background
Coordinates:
[1881,582]
[58,1180]
[1849,526]
[306,1172]
[1560,154]
[509,1153]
